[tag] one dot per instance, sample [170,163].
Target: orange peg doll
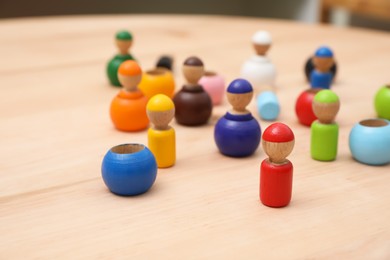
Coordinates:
[128,108]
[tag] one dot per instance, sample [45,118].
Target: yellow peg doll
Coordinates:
[161,136]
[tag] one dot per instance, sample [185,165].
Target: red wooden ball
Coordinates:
[278,133]
[304,108]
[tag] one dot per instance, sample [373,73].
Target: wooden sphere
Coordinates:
[326,105]
[160,110]
[123,40]
[193,70]
[129,75]
[239,95]
[278,142]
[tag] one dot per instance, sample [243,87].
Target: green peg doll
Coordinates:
[124,40]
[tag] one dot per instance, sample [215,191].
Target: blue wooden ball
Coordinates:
[369,141]
[237,135]
[129,169]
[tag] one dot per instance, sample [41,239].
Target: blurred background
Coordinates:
[374,14]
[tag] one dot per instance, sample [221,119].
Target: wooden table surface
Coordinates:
[55,130]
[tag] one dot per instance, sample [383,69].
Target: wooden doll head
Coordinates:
[160,110]
[323,59]
[193,70]
[129,75]
[326,104]
[278,142]
[261,42]
[239,94]
[124,40]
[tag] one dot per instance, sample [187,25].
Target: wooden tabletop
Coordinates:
[55,130]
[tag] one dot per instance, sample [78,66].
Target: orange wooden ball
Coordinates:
[128,111]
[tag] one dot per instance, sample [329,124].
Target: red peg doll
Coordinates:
[276,172]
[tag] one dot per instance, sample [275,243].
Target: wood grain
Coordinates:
[55,130]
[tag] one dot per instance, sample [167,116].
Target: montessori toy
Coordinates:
[382,102]
[268,105]
[128,108]
[161,137]
[304,106]
[129,169]
[165,62]
[276,172]
[192,103]
[324,131]
[214,85]
[157,81]
[309,67]
[124,40]
[259,70]
[369,141]
[321,76]
[237,133]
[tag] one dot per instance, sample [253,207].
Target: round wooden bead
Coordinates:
[129,169]
[157,81]
[268,105]
[369,141]
[214,85]
[304,107]
[382,102]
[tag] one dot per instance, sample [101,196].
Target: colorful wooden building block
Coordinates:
[276,172]
[124,40]
[192,103]
[128,108]
[324,131]
[161,136]
[237,133]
